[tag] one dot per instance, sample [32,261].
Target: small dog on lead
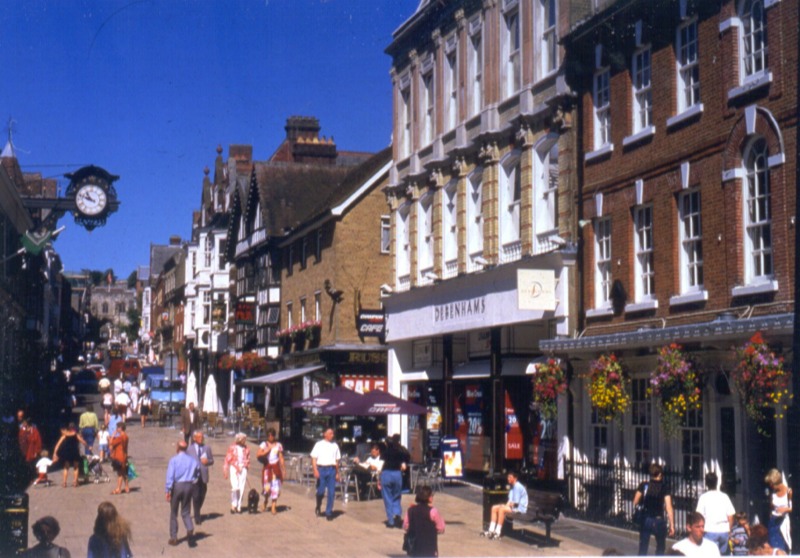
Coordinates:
[252,501]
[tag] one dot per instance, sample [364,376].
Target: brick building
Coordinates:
[480,191]
[688,136]
[334,262]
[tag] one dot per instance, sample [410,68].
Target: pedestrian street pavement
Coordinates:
[357,530]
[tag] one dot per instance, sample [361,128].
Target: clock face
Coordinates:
[91,199]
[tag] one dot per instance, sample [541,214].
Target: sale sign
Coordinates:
[513,432]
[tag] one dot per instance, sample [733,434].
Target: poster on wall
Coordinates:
[473,409]
[434,423]
[451,459]
[513,432]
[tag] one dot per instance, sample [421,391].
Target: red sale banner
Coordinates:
[513,432]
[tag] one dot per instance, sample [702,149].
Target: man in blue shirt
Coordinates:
[517,503]
[182,473]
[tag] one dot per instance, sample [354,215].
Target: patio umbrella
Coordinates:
[191,390]
[210,398]
[378,403]
[330,402]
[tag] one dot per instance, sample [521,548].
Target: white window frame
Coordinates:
[317,306]
[428,106]
[404,116]
[510,191]
[758,241]
[386,234]
[206,307]
[753,42]
[601,89]
[643,250]
[642,81]
[289,317]
[476,72]
[451,88]
[512,52]
[303,315]
[475,212]
[545,207]
[691,237]
[547,35]
[602,268]
[425,233]
[403,240]
[687,60]
[641,421]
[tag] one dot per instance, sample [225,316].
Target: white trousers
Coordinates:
[238,482]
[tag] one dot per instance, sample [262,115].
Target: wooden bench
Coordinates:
[543,507]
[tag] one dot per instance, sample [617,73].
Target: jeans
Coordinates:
[775,536]
[327,482]
[719,539]
[656,526]
[391,490]
[88,435]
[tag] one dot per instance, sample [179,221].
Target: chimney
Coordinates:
[302,127]
[175,240]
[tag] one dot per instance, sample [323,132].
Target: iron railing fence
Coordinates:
[603,493]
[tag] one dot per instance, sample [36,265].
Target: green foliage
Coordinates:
[132,279]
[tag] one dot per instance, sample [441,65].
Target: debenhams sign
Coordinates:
[461,310]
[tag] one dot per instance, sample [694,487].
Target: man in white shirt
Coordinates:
[325,460]
[371,466]
[718,511]
[695,544]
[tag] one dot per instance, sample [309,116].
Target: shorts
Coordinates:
[108,407]
[120,468]
[104,448]
[145,410]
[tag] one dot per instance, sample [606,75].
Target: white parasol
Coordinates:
[191,390]
[211,402]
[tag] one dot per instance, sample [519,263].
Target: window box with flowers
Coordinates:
[312,330]
[549,382]
[285,338]
[609,387]
[761,380]
[227,362]
[678,386]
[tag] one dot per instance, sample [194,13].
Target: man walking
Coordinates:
[202,453]
[717,509]
[182,474]
[190,421]
[395,461]
[325,460]
[88,426]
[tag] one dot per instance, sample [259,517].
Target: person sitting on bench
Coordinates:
[366,470]
[517,503]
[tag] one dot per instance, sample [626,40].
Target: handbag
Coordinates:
[409,543]
[132,474]
[638,509]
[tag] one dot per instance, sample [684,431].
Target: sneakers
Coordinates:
[491,535]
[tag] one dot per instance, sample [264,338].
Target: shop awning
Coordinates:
[723,329]
[281,376]
[474,369]
[515,366]
[533,364]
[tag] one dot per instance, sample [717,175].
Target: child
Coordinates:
[740,534]
[41,466]
[102,437]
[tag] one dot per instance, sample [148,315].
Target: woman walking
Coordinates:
[779,533]
[270,453]
[237,461]
[68,452]
[144,406]
[423,524]
[119,457]
[658,518]
[112,534]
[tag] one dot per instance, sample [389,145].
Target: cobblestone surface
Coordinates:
[294,531]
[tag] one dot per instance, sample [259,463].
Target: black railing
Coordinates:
[604,493]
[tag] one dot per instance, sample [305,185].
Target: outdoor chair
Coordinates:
[432,476]
[211,424]
[348,479]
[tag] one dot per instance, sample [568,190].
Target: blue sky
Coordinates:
[147,89]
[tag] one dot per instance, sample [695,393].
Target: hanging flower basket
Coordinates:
[678,387]
[227,362]
[549,382]
[609,387]
[761,380]
[254,364]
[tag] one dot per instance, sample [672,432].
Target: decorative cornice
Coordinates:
[436,178]
[436,37]
[413,57]
[414,191]
[461,20]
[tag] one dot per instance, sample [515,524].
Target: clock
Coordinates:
[91,199]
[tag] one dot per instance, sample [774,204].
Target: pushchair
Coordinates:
[92,470]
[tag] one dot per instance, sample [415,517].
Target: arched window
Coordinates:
[757,213]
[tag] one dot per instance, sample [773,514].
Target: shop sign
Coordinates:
[460,310]
[363,384]
[371,323]
[245,313]
[536,289]
[513,432]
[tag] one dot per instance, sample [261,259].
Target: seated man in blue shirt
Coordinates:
[182,473]
[517,503]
